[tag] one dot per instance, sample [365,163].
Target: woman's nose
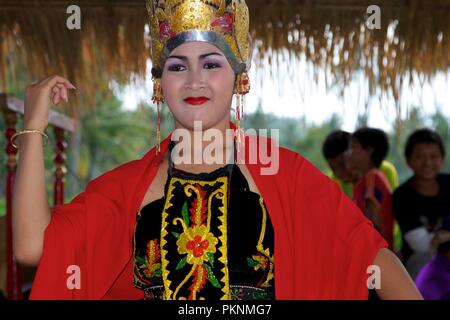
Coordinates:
[195,80]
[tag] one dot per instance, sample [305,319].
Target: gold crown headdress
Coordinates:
[224,23]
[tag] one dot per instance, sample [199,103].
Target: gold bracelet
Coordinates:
[25,131]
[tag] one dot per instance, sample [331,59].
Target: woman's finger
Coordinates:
[56,99]
[63,92]
[53,80]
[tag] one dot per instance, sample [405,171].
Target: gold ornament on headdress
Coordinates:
[224,23]
[158,98]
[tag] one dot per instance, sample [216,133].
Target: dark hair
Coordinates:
[376,139]
[336,143]
[423,136]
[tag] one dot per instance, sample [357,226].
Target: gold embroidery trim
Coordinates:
[259,246]
[134,247]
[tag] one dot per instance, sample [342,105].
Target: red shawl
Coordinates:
[323,244]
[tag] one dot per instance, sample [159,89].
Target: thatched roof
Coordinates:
[112,43]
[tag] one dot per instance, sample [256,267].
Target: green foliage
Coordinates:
[2,207]
[110,136]
[297,134]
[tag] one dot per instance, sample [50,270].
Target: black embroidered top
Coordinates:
[209,237]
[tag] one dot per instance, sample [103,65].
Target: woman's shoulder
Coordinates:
[116,173]
[122,173]
[292,159]
[304,172]
[293,168]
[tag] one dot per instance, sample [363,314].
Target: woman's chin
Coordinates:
[199,121]
[196,123]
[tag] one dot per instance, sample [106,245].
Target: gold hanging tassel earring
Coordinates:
[242,87]
[238,118]
[243,83]
[158,99]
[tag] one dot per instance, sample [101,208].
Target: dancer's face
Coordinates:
[197,84]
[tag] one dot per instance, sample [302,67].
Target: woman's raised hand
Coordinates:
[31,212]
[37,100]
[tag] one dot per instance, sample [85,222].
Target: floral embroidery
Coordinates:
[257,262]
[194,227]
[196,242]
[148,265]
[183,252]
[153,255]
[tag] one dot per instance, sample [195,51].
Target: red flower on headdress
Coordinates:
[226,23]
[165,31]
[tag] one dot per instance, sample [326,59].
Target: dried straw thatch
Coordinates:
[109,45]
[112,43]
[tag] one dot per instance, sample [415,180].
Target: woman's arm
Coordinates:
[30,209]
[31,212]
[396,284]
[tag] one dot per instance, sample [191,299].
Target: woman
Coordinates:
[372,193]
[153,228]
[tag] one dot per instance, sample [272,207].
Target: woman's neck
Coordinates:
[427,187]
[204,152]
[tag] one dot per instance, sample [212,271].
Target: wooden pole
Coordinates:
[60,166]
[14,276]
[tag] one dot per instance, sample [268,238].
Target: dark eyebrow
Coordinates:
[203,56]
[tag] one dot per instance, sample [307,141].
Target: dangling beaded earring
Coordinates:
[242,87]
[158,99]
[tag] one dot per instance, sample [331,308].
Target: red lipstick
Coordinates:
[196,101]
